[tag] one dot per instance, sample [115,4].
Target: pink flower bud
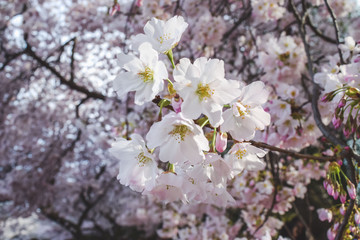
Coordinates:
[357,218]
[324,98]
[139,3]
[336,195]
[176,104]
[346,132]
[330,234]
[336,122]
[221,141]
[343,197]
[342,103]
[336,226]
[351,190]
[342,209]
[330,189]
[325,184]
[115,8]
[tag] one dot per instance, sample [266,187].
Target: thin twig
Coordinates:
[72,61]
[63,80]
[244,16]
[276,182]
[336,27]
[291,153]
[318,33]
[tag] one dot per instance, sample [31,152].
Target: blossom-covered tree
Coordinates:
[164,119]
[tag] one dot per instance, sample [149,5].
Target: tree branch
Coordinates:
[291,153]
[63,80]
[244,16]
[336,27]
[318,33]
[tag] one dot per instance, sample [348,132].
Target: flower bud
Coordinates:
[325,184]
[341,103]
[330,189]
[342,209]
[351,190]
[336,194]
[357,59]
[139,3]
[336,122]
[346,132]
[343,197]
[176,104]
[115,8]
[221,141]
[357,217]
[330,234]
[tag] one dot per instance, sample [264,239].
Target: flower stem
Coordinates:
[213,141]
[171,57]
[204,123]
[171,167]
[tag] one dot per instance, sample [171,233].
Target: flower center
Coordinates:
[243,110]
[142,159]
[180,132]
[147,75]
[240,153]
[284,57]
[163,38]
[204,91]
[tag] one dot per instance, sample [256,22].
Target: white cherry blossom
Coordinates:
[180,139]
[168,188]
[204,89]
[162,35]
[246,114]
[138,169]
[244,156]
[145,74]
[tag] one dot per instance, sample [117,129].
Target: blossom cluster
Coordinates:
[341,84]
[186,155]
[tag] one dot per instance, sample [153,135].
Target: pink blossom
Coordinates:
[330,234]
[324,214]
[343,197]
[139,3]
[351,190]
[342,209]
[357,218]
[176,104]
[221,141]
[336,122]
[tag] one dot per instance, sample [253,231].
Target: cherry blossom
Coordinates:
[145,75]
[204,89]
[162,35]
[179,139]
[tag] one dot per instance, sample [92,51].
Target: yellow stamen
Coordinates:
[180,132]
[147,75]
[142,159]
[204,91]
[240,153]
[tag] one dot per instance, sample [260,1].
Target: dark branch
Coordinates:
[72,61]
[63,80]
[292,153]
[318,33]
[244,16]
[336,27]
